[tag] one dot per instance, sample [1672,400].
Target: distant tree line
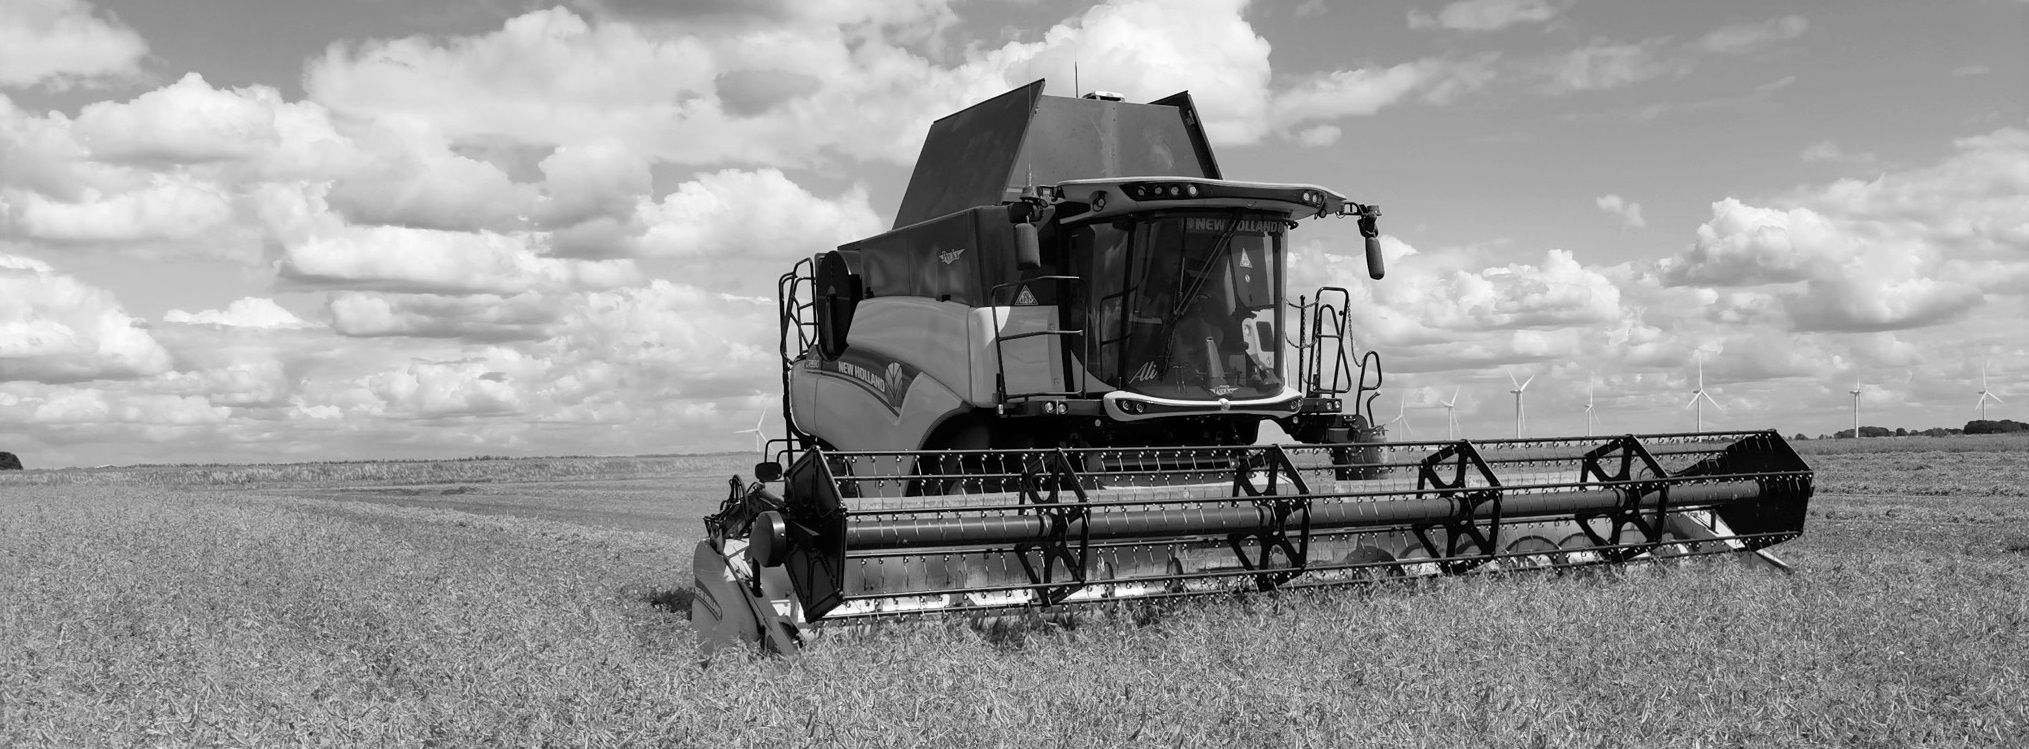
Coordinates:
[1976,426]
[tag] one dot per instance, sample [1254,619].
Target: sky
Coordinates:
[281,230]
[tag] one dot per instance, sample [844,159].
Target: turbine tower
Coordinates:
[1698,399]
[760,438]
[1984,395]
[1451,416]
[1856,408]
[1402,417]
[1519,387]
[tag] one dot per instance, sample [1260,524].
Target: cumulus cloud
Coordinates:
[824,89]
[55,328]
[1452,308]
[249,312]
[1484,15]
[62,43]
[1629,212]
[185,122]
[442,389]
[1905,250]
[736,216]
[166,207]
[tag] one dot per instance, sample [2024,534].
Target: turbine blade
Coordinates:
[1511,376]
[1708,399]
[1525,383]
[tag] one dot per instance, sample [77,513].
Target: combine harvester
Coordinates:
[1043,388]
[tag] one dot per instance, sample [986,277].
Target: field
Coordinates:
[541,602]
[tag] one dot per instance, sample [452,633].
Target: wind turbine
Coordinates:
[1698,408]
[1984,395]
[1856,408]
[760,438]
[1519,387]
[1451,416]
[1591,419]
[1402,417]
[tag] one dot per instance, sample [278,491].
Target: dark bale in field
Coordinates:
[9,463]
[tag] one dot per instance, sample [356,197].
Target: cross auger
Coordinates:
[1042,391]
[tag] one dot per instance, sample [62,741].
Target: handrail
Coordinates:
[993,300]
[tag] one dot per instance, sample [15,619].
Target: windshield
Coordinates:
[1187,306]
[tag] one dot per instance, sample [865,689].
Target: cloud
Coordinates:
[1604,65]
[56,329]
[186,122]
[479,317]
[444,389]
[1629,212]
[420,182]
[249,312]
[825,90]
[1318,136]
[1889,254]
[93,407]
[1484,15]
[1747,37]
[59,44]
[164,207]
[737,217]
[1451,308]
[390,258]
[1349,92]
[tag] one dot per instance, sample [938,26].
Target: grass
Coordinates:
[179,614]
[487,470]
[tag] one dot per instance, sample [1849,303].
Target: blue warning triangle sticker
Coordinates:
[1025,298]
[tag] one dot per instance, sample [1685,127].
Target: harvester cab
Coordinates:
[1044,387]
[1068,272]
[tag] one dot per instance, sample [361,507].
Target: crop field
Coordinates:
[542,602]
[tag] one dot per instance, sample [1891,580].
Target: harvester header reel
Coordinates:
[854,537]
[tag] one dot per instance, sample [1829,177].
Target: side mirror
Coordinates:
[767,471]
[1028,249]
[1373,235]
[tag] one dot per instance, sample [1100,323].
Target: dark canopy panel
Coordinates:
[987,153]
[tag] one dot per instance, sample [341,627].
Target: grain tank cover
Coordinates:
[986,154]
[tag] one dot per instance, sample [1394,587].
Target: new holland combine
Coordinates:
[1044,388]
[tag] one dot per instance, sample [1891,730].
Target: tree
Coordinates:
[2002,426]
